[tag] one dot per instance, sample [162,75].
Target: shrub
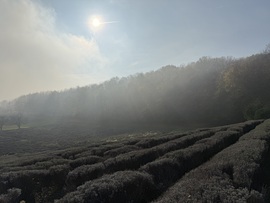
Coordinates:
[28,181]
[120,150]
[164,171]
[262,113]
[32,161]
[245,127]
[52,162]
[151,142]
[227,177]
[71,153]
[175,164]
[84,173]
[182,142]
[85,161]
[129,161]
[13,195]
[120,187]
[99,151]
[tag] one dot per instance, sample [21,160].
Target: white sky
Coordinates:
[48,44]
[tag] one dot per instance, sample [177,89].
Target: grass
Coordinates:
[14,127]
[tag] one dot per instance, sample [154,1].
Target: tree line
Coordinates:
[210,91]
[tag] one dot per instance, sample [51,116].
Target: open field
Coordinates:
[221,164]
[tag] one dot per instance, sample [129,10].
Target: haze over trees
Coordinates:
[38,163]
[211,91]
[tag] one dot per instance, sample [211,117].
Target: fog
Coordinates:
[211,91]
[35,56]
[101,99]
[49,45]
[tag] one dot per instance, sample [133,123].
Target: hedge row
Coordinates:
[121,150]
[228,176]
[85,161]
[173,165]
[120,187]
[51,176]
[130,161]
[135,159]
[36,185]
[151,142]
[12,195]
[158,175]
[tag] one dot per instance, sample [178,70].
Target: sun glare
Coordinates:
[96,22]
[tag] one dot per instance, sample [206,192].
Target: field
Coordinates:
[221,164]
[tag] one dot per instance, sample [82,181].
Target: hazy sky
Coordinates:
[51,44]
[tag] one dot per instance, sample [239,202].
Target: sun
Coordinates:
[96,22]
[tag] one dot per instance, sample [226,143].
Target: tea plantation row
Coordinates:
[221,164]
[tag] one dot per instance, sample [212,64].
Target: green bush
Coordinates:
[88,160]
[120,187]
[256,110]
[263,113]
[12,195]
[88,177]
[228,176]
[84,173]
[120,150]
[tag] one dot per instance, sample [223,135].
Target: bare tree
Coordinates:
[18,120]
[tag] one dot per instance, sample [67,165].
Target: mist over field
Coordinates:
[209,92]
[118,101]
[49,45]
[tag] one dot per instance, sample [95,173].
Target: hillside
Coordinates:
[220,164]
[208,92]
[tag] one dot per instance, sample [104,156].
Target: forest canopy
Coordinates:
[211,91]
